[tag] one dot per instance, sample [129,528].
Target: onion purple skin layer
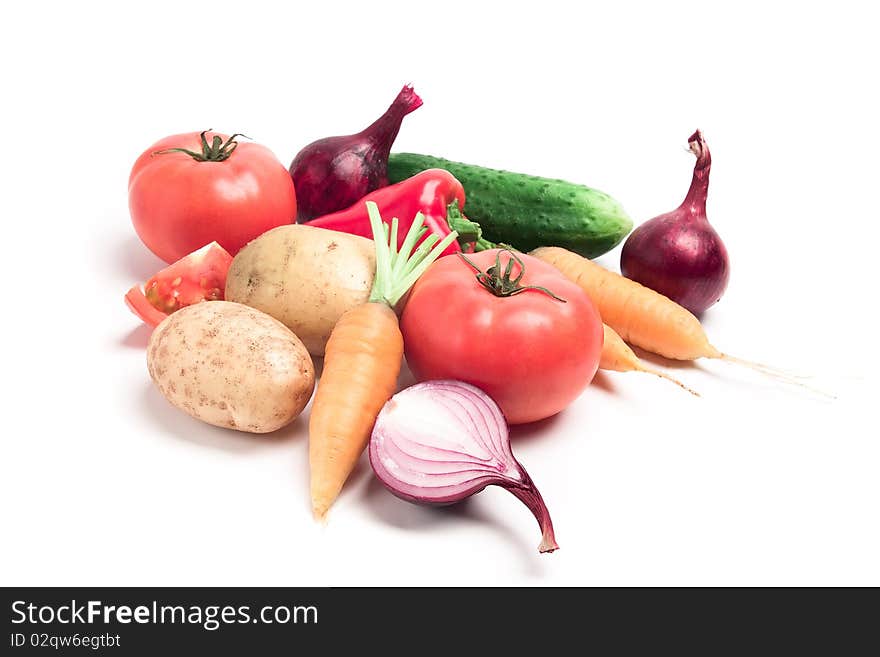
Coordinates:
[683,260]
[441,461]
[679,254]
[334,173]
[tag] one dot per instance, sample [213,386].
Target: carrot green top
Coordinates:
[397,271]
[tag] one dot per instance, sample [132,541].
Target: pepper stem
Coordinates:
[483,244]
[500,283]
[216,151]
[469,232]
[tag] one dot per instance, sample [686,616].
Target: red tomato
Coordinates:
[200,276]
[221,191]
[528,351]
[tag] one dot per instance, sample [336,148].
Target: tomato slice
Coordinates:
[200,276]
[138,304]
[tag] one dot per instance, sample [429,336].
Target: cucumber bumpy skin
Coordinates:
[528,211]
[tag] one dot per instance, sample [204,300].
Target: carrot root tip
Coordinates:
[777,374]
[664,375]
[761,367]
[319,512]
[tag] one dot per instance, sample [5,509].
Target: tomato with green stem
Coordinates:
[507,323]
[187,190]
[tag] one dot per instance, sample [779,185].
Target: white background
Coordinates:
[104,483]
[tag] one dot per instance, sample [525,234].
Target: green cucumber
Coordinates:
[527,211]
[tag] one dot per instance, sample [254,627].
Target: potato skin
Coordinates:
[231,366]
[305,277]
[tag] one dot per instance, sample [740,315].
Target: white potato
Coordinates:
[305,277]
[232,366]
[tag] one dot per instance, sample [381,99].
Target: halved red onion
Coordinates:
[439,442]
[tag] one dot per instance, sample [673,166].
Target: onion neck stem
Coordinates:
[695,201]
[383,131]
[528,494]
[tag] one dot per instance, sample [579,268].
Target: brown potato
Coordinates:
[305,277]
[232,366]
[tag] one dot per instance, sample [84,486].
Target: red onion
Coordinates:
[439,442]
[679,254]
[334,173]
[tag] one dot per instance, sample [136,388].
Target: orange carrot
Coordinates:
[361,365]
[362,360]
[618,357]
[642,316]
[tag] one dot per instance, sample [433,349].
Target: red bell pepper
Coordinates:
[435,193]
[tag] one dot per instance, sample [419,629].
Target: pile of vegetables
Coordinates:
[481,278]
